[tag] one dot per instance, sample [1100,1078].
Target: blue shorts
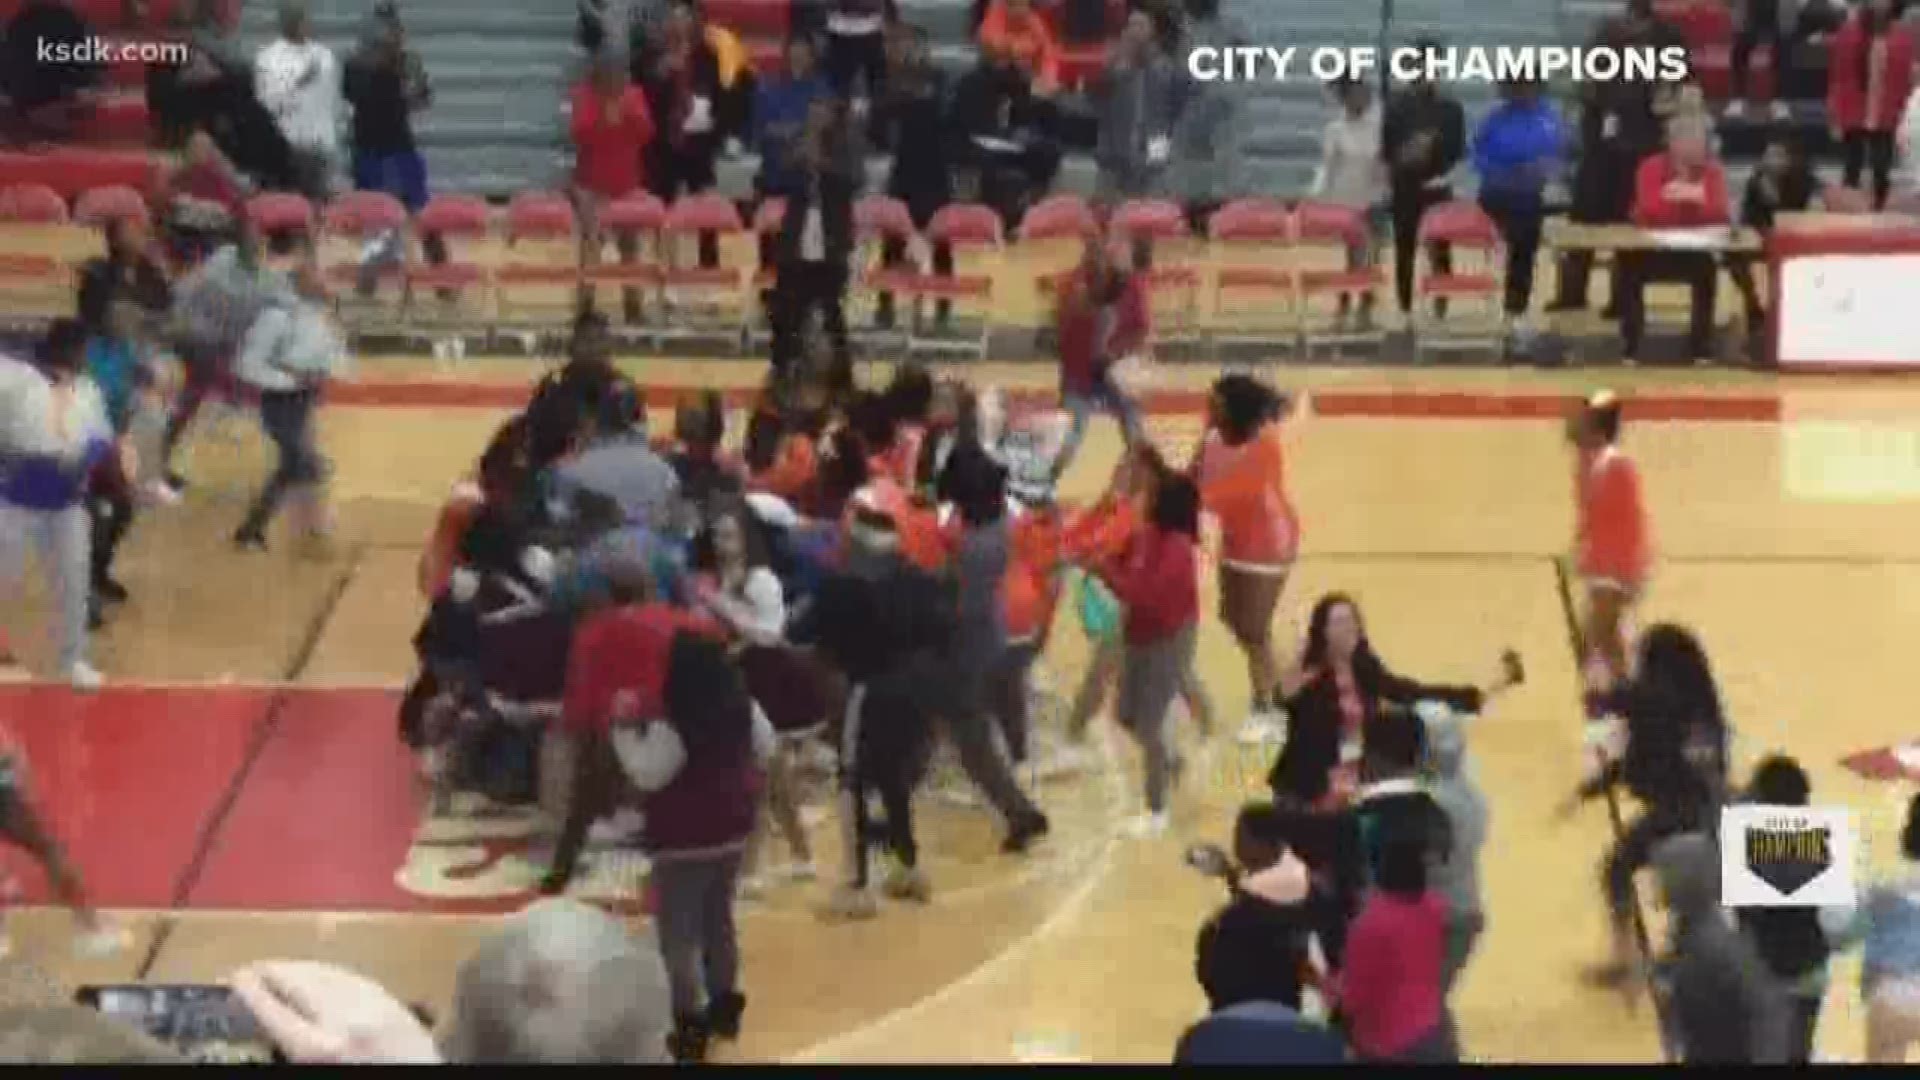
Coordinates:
[402,175]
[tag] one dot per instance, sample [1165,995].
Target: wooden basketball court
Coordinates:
[238,791]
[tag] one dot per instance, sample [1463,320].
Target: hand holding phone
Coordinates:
[321,1014]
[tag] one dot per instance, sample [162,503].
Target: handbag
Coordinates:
[1098,608]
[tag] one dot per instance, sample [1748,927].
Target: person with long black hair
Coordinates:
[1339,684]
[698,768]
[1157,579]
[1242,473]
[739,588]
[1673,758]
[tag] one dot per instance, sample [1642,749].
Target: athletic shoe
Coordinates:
[1736,109]
[1025,833]
[1148,826]
[106,588]
[850,904]
[723,1015]
[161,493]
[795,871]
[910,885]
[84,677]
[1263,728]
[1781,111]
[1069,760]
[246,539]
[103,940]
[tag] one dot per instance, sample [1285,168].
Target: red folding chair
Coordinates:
[879,222]
[32,204]
[463,224]
[1325,238]
[97,206]
[1255,293]
[1155,232]
[1476,274]
[705,301]
[362,251]
[1051,234]
[540,266]
[978,241]
[275,212]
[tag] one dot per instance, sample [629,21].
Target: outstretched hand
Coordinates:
[322,1014]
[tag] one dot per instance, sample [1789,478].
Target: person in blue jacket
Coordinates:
[1518,150]
[780,109]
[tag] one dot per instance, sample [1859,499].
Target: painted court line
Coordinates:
[1341,403]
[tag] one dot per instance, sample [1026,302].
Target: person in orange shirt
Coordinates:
[1613,550]
[1241,469]
[1023,32]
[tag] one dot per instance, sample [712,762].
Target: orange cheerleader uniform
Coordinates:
[795,466]
[1245,488]
[1031,592]
[442,553]
[1614,544]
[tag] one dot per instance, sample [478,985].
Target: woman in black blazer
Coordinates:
[1338,684]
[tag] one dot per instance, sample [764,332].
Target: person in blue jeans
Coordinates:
[1517,151]
[386,84]
[1103,317]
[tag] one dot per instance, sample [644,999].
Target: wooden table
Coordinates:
[1614,238]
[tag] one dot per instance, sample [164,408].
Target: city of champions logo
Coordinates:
[1786,856]
[1269,63]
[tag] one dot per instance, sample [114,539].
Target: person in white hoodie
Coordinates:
[290,352]
[1352,174]
[53,431]
[297,79]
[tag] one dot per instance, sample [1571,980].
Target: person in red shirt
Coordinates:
[1613,545]
[1102,319]
[1680,188]
[1389,989]
[612,128]
[1157,580]
[616,671]
[1869,76]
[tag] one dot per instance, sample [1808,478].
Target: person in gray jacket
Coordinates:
[1137,100]
[1453,788]
[288,355]
[1205,167]
[1724,1007]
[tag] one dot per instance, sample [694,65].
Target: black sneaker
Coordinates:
[96,614]
[106,588]
[723,1016]
[1025,833]
[688,1042]
[175,480]
[249,538]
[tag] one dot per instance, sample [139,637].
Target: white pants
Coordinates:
[62,539]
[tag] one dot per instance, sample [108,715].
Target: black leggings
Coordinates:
[1869,150]
[1761,26]
[1408,206]
[854,57]
[110,509]
[1519,224]
[883,749]
[1634,850]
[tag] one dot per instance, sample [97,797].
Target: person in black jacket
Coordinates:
[1620,124]
[43,92]
[1784,183]
[1422,138]
[1337,685]
[682,83]
[1257,947]
[911,116]
[1673,759]
[1001,133]
[1790,940]
[126,273]
[816,236]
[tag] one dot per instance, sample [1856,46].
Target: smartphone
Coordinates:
[208,1024]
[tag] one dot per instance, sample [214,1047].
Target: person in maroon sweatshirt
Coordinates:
[1102,318]
[1681,187]
[1389,990]
[1157,579]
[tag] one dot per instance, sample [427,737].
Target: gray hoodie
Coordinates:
[1452,785]
[1724,1006]
[1137,104]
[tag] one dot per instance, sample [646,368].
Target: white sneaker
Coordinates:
[797,871]
[622,826]
[1148,826]
[1400,322]
[753,887]
[84,677]
[1262,729]
[1069,760]
[1781,111]
[1736,109]
[103,940]
[161,493]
